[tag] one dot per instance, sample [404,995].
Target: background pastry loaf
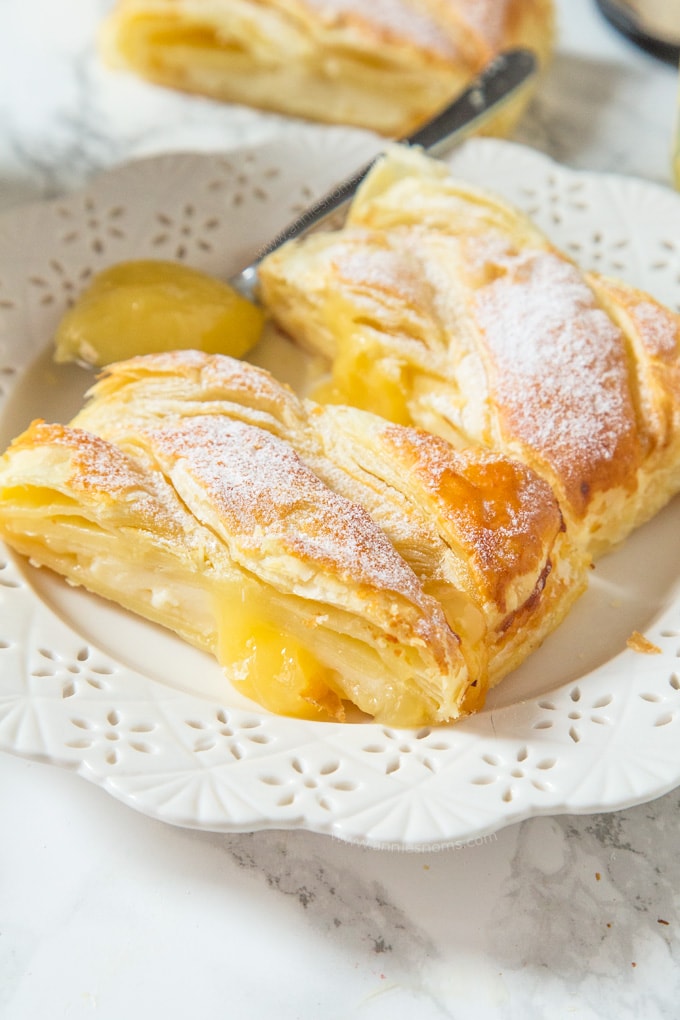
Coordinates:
[386,65]
[441,305]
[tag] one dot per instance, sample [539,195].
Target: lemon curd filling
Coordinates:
[362,376]
[269,664]
[359,379]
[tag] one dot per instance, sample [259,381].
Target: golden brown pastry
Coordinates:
[440,305]
[322,554]
[386,65]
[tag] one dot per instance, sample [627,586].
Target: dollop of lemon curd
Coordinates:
[152,306]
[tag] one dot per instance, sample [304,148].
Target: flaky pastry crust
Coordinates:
[440,305]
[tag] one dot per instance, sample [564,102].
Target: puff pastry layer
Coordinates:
[440,305]
[324,555]
[386,65]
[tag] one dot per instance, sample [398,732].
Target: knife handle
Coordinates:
[496,84]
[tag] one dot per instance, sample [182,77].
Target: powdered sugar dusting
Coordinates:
[659,329]
[209,371]
[100,468]
[559,372]
[487,18]
[397,18]
[383,273]
[259,486]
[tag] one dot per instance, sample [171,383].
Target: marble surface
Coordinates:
[106,913]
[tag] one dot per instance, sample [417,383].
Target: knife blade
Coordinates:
[499,82]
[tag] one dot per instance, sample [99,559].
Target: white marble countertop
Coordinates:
[107,913]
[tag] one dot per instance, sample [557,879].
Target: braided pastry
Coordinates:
[325,556]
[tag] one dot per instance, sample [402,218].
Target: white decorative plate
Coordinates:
[588,724]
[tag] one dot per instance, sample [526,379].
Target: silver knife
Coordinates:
[496,85]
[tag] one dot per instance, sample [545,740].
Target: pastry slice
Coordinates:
[216,530]
[386,65]
[482,533]
[440,305]
[325,556]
